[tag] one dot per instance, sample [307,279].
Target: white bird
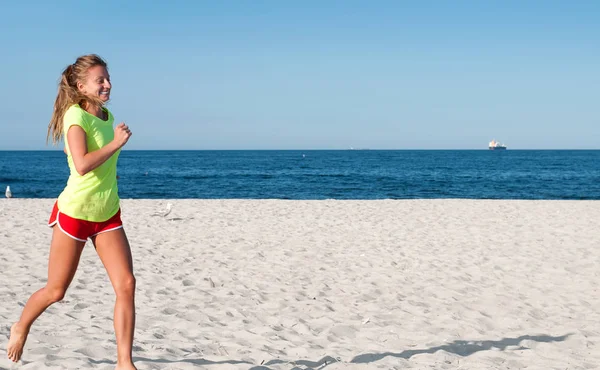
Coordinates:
[166,212]
[8,193]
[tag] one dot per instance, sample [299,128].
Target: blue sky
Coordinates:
[314,74]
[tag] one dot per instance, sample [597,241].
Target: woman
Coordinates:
[88,207]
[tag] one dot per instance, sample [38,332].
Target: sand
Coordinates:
[273,284]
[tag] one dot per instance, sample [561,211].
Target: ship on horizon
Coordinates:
[494,145]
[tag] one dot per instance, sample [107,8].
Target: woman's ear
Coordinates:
[80,86]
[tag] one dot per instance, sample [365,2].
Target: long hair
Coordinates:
[69,94]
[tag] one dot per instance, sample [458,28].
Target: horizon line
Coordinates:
[311,149]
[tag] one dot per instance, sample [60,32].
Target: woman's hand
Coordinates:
[122,135]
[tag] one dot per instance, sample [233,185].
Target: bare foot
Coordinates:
[128,366]
[18,336]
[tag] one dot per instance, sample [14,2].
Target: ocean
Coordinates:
[324,174]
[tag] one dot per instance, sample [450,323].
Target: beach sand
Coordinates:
[274,284]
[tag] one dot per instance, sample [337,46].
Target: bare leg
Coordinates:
[62,264]
[115,253]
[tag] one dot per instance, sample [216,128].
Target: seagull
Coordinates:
[164,213]
[8,193]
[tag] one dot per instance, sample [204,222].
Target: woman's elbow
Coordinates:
[81,170]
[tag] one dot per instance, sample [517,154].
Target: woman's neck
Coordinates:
[94,109]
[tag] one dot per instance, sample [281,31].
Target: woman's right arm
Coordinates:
[85,162]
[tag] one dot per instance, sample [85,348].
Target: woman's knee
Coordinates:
[125,286]
[55,294]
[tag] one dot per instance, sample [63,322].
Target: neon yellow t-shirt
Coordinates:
[93,196]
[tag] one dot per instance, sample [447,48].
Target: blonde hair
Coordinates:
[69,94]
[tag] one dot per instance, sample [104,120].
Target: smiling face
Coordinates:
[96,83]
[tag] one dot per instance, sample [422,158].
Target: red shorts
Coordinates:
[81,229]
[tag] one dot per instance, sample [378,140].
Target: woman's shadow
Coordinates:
[459,347]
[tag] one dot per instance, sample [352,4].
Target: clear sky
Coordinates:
[314,74]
